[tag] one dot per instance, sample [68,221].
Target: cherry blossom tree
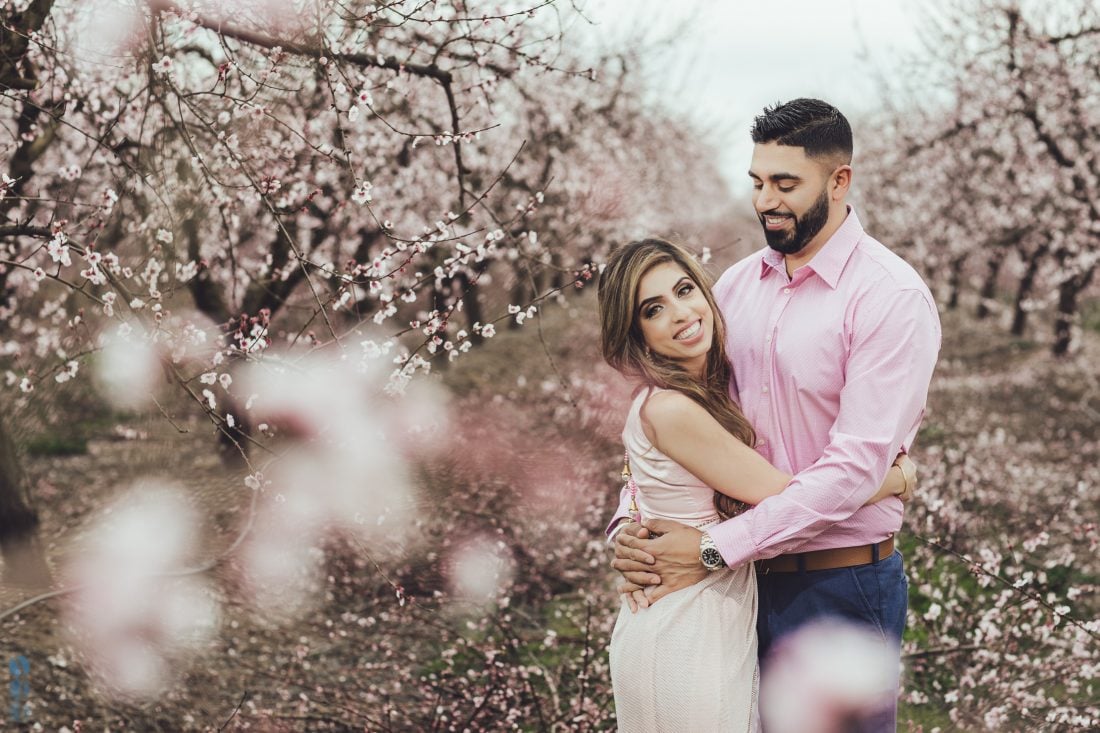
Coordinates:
[215,195]
[1000,179]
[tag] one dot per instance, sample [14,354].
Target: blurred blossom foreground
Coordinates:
[333,465]
[827,677]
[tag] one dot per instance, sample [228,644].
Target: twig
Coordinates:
[1009,584]
[235,711]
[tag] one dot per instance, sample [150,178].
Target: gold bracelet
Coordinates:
[906,478]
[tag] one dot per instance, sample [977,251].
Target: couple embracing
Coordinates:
[765,445]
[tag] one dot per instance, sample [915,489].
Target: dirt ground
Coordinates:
[263,676]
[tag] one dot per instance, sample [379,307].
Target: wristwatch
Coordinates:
[709,555]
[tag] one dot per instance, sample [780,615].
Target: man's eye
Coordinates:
[786,189]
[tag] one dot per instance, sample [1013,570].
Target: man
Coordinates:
[833,340]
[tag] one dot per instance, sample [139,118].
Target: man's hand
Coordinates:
[659,553]
[676,557]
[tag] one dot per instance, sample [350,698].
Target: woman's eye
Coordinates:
[687,288]
[652,311]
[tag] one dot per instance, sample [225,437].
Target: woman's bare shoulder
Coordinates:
[672,408]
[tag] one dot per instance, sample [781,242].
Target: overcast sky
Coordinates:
[733,57]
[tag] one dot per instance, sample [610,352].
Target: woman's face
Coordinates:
[675,318]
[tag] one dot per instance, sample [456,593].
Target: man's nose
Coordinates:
[766,200]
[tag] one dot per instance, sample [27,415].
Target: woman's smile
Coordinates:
[690,333]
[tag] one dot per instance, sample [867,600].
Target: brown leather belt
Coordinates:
[840,557]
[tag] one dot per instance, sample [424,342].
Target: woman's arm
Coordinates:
[682,429]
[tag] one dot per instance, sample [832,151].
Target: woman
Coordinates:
[689,661]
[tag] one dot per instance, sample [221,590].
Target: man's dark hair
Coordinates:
[817,126]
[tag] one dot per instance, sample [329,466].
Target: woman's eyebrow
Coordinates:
[647,301]
[679,282]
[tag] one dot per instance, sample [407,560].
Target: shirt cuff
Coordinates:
[733,540]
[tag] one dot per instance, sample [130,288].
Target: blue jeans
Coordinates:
[875,595]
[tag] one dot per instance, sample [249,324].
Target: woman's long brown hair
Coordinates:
[624,347]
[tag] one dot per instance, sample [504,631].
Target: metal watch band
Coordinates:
[709,555]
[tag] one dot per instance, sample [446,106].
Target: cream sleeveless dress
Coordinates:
[688,662]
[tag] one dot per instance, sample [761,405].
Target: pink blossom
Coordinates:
[59,250]
[127,369]
[825,674]
[361,194]
[479,570]
[163,66]
[135,621]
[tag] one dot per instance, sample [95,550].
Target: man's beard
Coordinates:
[806,228]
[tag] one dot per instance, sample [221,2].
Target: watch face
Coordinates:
[711,558]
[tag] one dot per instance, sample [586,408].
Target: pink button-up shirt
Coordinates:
[831,367]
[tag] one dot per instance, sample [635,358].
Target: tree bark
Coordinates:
[989,286]
[24,562]
[471,301]
[1023,290]
[954,282]
[15,42]
[1066,316]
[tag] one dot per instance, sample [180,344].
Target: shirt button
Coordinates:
[769,338]
[762,444]
[786,291]
[765,390]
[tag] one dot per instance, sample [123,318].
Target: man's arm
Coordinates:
[892,356]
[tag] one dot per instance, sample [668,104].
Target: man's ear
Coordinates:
[842,181]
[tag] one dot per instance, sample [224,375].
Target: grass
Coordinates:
[56,444]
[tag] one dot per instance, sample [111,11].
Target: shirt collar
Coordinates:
[829,262]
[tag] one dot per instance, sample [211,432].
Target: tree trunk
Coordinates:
[471,302]
[520,295]
[1023,290]
[441,297]
[24,562]
[1066,317]
[989,286]
[954,282]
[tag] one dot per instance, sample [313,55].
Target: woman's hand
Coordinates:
[909,476]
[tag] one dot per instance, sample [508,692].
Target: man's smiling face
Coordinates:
[790,195]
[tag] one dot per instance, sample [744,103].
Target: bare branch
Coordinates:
[265,41]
